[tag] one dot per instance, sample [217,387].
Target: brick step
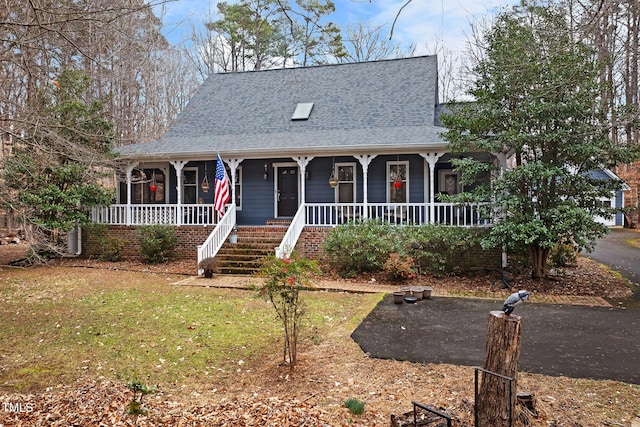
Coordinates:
[253,246]
[248,271]
[244,245]
[225,257]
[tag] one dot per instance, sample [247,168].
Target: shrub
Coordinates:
[355,406]
[359,247]
[285,278]
[437,249]
[111,248]
[135,406]
[209,266]
[399,268]
[157,243]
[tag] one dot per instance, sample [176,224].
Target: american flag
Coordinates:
[221,196]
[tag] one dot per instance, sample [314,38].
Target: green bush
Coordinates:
[437,249]
[355,406]
[111,248]
[135,406]
[359,247]
[157,243]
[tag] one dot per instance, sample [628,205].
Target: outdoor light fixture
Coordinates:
[265,176]
[333,181]
[205,180]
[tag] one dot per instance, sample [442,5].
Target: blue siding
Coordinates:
[257,193]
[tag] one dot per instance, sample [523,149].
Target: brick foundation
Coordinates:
[189,237]
[309,245]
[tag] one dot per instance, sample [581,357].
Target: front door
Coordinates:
[287,197]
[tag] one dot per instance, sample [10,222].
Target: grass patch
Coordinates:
[58,325]
[633,242]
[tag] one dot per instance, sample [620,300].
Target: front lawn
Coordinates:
[71,338]
[61,324]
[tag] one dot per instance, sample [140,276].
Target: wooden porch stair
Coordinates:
[255,243]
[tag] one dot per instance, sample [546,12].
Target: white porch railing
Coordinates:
[218,236]
[149,214]
[293,233]
[315,214]
[319,214]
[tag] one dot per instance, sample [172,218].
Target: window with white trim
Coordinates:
[346,188]
[398,181]
[190,186]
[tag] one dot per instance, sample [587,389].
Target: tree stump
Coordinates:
[496,405]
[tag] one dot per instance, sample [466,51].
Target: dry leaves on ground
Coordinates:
[332,372]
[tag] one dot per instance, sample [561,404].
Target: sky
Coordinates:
[425,23]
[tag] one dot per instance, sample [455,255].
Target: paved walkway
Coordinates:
[248,282]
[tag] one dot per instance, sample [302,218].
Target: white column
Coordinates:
[365,161]
[233,166]
[178,165]
[129,171]
[432,159]
[303,161]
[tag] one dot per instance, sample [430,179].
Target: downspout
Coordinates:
[79,241]
[502,158]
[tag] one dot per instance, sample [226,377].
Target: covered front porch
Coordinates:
[395,187]
[303,191]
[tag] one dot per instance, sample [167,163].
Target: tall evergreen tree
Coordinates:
[537,103]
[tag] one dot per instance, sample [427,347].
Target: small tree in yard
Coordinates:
[284,279]
[537,103]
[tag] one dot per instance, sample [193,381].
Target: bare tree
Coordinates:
[131,71]
[365,42]
[612,26]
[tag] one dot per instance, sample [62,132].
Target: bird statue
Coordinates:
[513,300]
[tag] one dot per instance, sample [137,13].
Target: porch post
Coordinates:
[365,161]
[178,165]
[303,161]
[129,171]
[502,158]
[432,159]
[233,165]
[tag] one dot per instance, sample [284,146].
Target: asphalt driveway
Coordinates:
[615,251]
[573,341]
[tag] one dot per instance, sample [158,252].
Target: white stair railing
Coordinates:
[216,239]
[293,233]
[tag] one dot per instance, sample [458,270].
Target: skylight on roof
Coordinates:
[302,111]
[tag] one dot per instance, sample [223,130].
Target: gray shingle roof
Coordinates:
[357,107]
